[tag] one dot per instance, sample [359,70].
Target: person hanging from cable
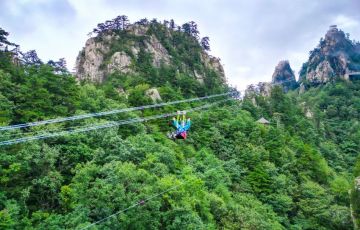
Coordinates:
[181,125]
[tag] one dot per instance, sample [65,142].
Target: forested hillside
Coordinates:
[230,173]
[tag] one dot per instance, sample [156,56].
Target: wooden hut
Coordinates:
[263,121]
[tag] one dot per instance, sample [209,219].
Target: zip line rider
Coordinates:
[182,126]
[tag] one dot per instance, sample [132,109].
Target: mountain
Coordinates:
[335,57]
[328,96]
[232,172]
[152,51]
[284,75]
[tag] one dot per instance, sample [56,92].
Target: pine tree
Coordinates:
[205,43]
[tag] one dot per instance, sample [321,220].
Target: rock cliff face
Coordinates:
[119,61]
[213,63]
[335,57]
[120,52]
[159,53]
[262,88]
[154,94]
[265,88]
[91,60]
[284,75]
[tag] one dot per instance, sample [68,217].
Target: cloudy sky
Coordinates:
[250,36]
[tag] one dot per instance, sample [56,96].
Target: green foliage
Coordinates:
[137,95]
[340,187]
[183,47]
[314,205]
[231,173]
[337,119]
[38,93]
[355,201]
[248,213]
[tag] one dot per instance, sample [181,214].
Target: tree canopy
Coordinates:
[231,172]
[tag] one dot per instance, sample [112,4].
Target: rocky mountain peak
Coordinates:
[99,58]
[334,39]
[121,47]
[335,57]
[284,75]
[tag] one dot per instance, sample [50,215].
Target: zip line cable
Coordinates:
[105,113]
[85,129]
[37,132]
[102,126]
[143,202]
[47,132]
[84,116]
[106,125]
[44,131]
[112,124]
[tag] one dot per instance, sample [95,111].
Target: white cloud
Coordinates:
[242,69]
[345,22]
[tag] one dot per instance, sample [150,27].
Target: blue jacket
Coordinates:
[181,126]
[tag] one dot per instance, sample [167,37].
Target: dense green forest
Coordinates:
[231,172]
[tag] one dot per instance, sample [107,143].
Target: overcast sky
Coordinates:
[250,36]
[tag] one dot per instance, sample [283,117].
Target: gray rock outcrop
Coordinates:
[284,75]
[159,53]
[302,88]
[199,77]
[262,88]
[154,94]
[90,59]
[119,52]
[138,30]
[333,58]
[322,74]
[213,63]
[119,61]
[265,88]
